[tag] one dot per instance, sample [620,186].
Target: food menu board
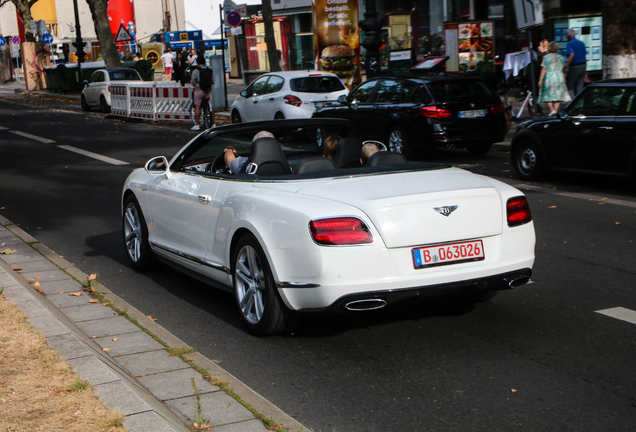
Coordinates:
[475,47]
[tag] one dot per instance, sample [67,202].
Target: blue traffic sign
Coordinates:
[16,40]
[47,38]
[233,18]
[3,41]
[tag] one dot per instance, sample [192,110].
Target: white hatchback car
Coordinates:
[96,91]
[285,95]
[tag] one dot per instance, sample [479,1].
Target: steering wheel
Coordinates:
[218,166]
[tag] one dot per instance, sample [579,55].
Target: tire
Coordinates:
[256,298]
[135,232]
[104,105]
[480,296]
[479,149]
[207,117]
[236,117]
[279,116]
[85,105]
[527,160]
[398,141]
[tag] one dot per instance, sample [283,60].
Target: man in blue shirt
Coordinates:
[576,64]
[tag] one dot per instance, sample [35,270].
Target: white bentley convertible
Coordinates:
[294,231]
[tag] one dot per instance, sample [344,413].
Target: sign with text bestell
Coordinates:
[337,39]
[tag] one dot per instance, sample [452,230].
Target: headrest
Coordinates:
[267,158]
[386,158]
[348,153]
[314,164]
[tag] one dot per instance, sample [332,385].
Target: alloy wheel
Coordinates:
[396,141]
[133,234]
[527,161]
[250,284]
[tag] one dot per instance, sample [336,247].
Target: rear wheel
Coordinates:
[256,298]
[236,117]
[135,230]
[480,296]
[279,116]
[398,141]
[85,105]
[207,116]
[527,160]
[479,149]
[104,105]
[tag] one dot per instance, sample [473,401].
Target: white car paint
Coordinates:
[98,84]
[254,106]
[398,208]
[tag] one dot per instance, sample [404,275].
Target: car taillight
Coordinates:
[518,211]
[293,100]
[434,112]
[499,109]
[340,231]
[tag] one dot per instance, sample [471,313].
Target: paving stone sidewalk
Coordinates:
[136,375]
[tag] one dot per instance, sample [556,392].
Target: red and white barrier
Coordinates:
[151,100]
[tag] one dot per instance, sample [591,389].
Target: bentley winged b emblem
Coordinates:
[445,210]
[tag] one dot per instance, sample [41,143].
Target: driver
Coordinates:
[235,162]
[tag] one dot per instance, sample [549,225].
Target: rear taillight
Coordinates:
[499,109]
[340,231]
[293,100]
[518,211]
[435,112]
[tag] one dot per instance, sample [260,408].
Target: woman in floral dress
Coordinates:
[552,80]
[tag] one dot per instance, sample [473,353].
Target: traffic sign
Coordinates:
[234,18]
[47,38]
[16,40]
[123,35]
[3,41]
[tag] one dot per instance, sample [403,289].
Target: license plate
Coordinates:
[320,104]
[449,253]
[472,114]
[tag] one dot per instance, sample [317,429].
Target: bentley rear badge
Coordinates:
[445,210]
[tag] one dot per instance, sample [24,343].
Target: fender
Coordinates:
[527,133]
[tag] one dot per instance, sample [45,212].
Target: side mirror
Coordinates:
[85,83]
[342,99]
[157,166]
[243,93]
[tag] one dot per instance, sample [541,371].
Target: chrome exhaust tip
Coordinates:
[518,281]
[365,305]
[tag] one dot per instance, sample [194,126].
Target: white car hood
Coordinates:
[403,206]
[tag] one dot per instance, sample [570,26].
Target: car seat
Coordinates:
[386,158]
[267,158]
[314,164]
[348,153]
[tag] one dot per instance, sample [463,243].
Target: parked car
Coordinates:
[285,95]
[595,133]
[96,91]
[414,113]
[299,234]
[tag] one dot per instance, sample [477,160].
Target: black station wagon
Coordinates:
[595,133]
[414,113]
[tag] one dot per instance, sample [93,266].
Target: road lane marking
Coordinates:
[34,137]
[93,155]
[3,128]
[620,313]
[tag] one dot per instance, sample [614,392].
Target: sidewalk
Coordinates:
[137,373]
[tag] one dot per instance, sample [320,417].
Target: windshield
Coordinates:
[317,84]
[448,91]
[124,75]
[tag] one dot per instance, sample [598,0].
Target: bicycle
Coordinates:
[206,110]
[528,101]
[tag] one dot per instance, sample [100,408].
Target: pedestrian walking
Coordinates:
[179,68]
[202,80]
[552,80]
[575,66]
[168,60]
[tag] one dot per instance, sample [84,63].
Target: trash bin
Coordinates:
[52,76]
[144,67]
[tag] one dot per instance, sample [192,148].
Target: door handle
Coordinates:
[255,101]
[606,127]
[271,98]
[205,199]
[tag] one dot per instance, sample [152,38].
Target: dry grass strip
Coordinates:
[38,391]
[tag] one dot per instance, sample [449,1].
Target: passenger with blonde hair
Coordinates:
[367,150]
[552,80]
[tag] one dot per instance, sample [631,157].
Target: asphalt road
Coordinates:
[536,358]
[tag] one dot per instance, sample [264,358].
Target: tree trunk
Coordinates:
[24,8]
[102,30]
[619,37]
[270,40]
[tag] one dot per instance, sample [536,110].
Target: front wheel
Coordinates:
[527,160]
[256,297]
[236,117]
[85,105]
[104,105]
[135,230]
[208,121]
[398,142]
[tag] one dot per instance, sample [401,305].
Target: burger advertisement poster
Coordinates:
[337,39]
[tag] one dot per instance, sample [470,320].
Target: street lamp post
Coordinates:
[372,38]
[79,44]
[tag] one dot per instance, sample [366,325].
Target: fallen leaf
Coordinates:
[603,199]
[62,292]
[105,304]
[105,349]
[37,277]
[115,339]
[39,290]
[36,284]
[120,352]
[93,301]
[552,207]
[154,319]
[76,294]
[8,251]
[513,390]
[94,337]
[617,223]
[93,276]
[143,375]
[601,203]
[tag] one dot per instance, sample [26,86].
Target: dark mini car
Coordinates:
[595,133]
[421,112]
